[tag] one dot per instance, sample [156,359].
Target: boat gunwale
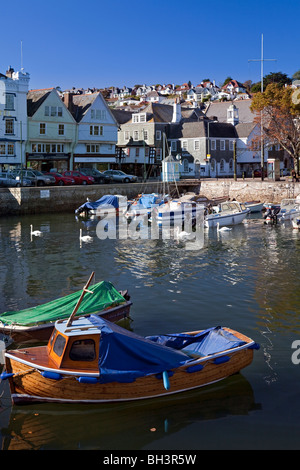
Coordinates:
[192,362]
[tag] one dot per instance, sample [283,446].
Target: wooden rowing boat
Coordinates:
[37,323]
[91,360]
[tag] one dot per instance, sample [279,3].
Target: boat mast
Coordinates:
[84,290]
[262,60]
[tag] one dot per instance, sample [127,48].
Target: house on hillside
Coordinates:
[181,89]
[167,89]
[234,87]
[153,97]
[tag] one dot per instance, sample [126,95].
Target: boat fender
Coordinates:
[254,346]
[221,360]
[195,368]
[6,375]
[87,380]
[51,375]
[166,380]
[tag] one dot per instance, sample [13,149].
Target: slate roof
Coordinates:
[245,129]
[121,116]
[196,129]
[81,104]
[157,112]
[35,98]
[219,110]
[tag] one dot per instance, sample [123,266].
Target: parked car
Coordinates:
[36,176]
[8,180]
[98,176]
[120,176]
[79,177]
[60,179]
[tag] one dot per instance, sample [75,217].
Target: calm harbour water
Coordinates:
[247,279]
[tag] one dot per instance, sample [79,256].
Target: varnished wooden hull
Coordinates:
[43,331]
[28,385]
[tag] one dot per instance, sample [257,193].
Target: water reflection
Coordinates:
[124,426]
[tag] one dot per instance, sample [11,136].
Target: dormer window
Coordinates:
[139,117]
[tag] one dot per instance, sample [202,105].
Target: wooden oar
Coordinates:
[84,290]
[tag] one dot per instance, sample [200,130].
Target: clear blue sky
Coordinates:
[100,43]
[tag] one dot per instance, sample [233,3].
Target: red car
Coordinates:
[79,178]
[60,179]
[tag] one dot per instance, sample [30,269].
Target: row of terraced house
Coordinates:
[49,129]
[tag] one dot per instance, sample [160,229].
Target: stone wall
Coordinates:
[249,190]
[67,199]
[64,199]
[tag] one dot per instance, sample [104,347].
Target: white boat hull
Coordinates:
[213,220]
[168,218]
[255,207]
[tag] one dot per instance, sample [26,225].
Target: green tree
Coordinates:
[227,80]
[296,75]
[275,77]
[256,87]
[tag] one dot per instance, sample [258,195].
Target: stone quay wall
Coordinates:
[19,201]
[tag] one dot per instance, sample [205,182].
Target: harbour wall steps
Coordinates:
[20,201]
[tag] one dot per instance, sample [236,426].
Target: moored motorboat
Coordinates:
[254,206]
[288,208]
[91,360]
[186,208]
[106,205]
[226,213]
[143,205]
[37,323]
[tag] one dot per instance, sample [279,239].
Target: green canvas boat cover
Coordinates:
[104,295]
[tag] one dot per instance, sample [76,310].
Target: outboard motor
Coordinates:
[271,215]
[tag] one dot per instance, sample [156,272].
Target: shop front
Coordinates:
[48,161]
[98,162]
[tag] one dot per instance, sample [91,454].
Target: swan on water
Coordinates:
[36,233]
[182,235]
[222,229]
[85,238]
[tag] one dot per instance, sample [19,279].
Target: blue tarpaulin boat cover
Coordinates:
[147,200]
[105,201]
[206,343]
[125,356]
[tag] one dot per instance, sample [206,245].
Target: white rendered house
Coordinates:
[13,118]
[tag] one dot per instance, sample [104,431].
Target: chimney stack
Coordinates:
[176,111]
[9,72]
[68,100]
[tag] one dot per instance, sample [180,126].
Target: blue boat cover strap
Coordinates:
[125,356]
